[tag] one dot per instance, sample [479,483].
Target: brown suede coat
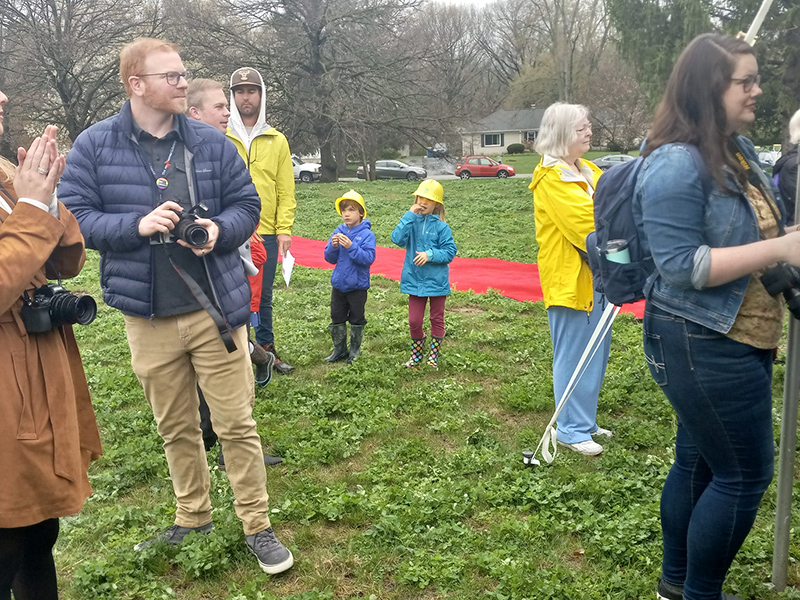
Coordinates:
[48,432]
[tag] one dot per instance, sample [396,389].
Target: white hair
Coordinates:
[558,130]
[794,128]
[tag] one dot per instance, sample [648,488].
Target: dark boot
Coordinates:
[281,367]
[417,353]
[339,337]
[436,347]
[356,335]
[263,361]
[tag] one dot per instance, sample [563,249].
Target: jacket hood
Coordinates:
[784,159]
[365,224]
[235,124]
[548,165]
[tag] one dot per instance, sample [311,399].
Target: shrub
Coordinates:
[389,154]
[515,148]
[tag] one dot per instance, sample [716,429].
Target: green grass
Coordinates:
[398,484]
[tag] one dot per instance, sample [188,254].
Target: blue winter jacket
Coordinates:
[109,188]
[425,233]
[678,224]
[352,264]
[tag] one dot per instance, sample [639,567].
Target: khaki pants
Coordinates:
[171,356]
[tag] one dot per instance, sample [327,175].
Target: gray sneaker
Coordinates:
[273,557]
[174,535]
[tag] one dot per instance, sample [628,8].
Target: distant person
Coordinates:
[430,249]
[206,102]
[266,152]
[707,215]
[785,169]
[48,433]
[351,248]
[563,188]
[181,290]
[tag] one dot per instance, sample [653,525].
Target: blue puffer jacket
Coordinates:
[109,188]
[352,264]
[425,233]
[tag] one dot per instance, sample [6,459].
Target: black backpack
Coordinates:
[615,232]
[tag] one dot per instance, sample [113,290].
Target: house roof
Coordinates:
[523,119]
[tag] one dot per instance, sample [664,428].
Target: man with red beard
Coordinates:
[178,281]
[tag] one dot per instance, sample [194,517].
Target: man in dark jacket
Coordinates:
[786,170]
[185,299]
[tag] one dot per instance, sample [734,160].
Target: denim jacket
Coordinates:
[678,226]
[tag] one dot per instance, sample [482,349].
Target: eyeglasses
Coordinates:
[172,77]
[749,81]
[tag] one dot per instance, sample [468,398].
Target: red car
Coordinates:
[483,166]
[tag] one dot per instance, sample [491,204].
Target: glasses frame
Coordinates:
[171,76]
[748,82]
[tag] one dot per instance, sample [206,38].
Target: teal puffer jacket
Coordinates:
[425,233]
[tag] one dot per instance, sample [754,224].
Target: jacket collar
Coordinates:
[124,125]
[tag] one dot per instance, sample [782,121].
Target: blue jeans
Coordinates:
[570,331]
[264,333]
[724,449]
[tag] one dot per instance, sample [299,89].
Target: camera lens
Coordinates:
[69,308]
[190,232]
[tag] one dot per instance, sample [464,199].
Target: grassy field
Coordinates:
[396,484]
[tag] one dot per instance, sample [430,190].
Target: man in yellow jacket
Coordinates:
[266,153]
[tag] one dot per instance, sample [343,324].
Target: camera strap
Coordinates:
[205,302]
[757,182]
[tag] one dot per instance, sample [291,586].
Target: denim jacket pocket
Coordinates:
[654,355]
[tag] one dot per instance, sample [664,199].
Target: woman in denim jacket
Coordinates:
[712,226]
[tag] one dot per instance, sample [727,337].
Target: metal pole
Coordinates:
[791,395]
[750,36]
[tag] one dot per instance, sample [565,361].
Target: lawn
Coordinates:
[397,484]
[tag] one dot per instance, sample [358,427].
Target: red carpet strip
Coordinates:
[516,280]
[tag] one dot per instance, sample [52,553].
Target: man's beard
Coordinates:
[248,111]
[168,104]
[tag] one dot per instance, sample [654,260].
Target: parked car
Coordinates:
[768,158]
[306,172]
[483,166]
[609,160]
[394,169]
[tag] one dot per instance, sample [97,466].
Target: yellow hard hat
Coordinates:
[351,195]
[432,190]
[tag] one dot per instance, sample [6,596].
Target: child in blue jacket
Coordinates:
[426,269]
[352,249]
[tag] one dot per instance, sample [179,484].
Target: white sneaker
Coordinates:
[587,447]
[601,431]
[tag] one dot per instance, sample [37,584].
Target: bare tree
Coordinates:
[62,56]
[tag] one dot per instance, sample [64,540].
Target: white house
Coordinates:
[493,134]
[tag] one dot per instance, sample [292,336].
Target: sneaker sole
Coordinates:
[278,568]
[579,452]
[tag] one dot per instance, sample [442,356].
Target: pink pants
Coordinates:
[416,315]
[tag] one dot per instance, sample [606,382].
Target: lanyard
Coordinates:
[161,181]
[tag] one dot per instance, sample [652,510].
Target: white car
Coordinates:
[306,172]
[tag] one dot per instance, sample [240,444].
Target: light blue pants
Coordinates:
[570,331]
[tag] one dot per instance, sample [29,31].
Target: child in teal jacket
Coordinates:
[426,270]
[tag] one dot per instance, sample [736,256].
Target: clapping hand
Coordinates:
[40,168]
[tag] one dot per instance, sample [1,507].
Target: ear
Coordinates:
[137,85]
[194,113]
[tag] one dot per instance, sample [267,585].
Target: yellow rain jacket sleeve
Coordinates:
[270,164]
[564,215]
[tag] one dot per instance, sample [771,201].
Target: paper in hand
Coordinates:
[287,266]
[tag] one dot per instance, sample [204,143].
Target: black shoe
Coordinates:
[273,557]
[669,591]
[281,367]
[270,461]
[174,535]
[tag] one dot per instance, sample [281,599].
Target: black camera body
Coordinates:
[784,279]
[186,228]
[52,306]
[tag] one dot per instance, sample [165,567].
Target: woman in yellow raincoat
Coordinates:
[563,187]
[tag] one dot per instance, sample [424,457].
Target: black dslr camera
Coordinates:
[52,305]
[784,279]
[187,230]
